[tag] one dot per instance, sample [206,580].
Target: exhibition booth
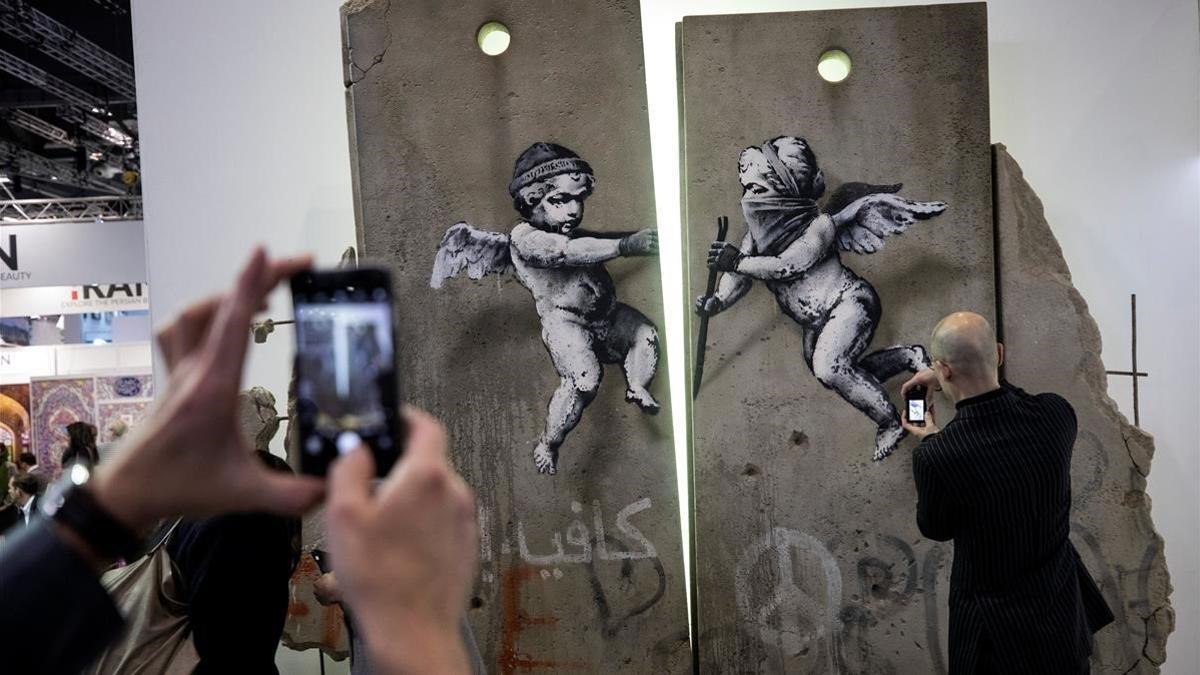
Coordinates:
[74,333]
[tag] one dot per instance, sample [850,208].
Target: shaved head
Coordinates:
[967,343]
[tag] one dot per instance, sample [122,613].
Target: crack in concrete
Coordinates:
[378,58]
[1136,467]
[1145,645]
[1145,642]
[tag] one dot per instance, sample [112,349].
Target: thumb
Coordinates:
[350,483]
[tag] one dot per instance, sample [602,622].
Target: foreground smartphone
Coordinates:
[346,389]
[915,401]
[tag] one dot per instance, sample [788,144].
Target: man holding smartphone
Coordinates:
[996,480]
[406,577]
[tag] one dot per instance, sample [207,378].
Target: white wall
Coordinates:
[243,136]
[244,140]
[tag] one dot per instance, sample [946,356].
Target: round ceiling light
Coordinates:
[493,38]
[834,65]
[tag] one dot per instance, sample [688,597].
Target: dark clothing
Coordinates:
[56,616]
[997,480]
[235,571]
[13,518]
[10,515]
[86,455]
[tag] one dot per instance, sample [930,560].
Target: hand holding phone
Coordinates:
[914,401]
[346,386]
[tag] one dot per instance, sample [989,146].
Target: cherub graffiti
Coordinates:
[563,266]
[793,245]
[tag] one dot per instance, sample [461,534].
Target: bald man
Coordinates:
[997,481]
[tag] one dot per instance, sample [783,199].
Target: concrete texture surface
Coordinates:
[808,557]
[1053,344]
[581,570]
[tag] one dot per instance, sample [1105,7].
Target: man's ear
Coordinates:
[944,370]
[999,354]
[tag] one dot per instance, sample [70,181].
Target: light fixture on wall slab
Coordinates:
[834,65]
[493,38]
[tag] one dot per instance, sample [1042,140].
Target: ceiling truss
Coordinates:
[83,209]
[26,23]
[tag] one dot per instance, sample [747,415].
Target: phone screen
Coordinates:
[345,367]
[916,410]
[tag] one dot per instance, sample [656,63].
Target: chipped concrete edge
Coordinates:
[1051,264]
[351,7]
[355,69]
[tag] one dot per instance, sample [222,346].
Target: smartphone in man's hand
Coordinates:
[346,385]
[914,412]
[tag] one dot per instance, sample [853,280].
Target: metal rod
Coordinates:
[1137,417]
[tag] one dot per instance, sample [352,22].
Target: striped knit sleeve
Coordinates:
[935,511]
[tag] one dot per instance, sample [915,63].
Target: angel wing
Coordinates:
[464,248]
[865,214]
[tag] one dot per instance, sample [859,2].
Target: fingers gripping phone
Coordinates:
[915,406]
[346,387]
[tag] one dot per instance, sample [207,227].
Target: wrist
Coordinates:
[415,646]
[116,493]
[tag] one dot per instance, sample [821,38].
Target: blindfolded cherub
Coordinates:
[793,245]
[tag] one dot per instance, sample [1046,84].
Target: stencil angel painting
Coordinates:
[793,244]
[563,266]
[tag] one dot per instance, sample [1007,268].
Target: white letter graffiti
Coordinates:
[585,545]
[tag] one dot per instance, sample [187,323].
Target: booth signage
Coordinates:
[64,254]
[18,364]
[89,299]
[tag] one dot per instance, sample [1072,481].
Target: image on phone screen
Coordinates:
[916,410]
[345,371]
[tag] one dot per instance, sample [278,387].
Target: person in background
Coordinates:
[997,481]
[10,511]
[27,463]
[116,430]
[188,458]
[235,569]
[8,469]
[81,446]
[23,491]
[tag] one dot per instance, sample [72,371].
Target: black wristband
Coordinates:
[623,245]
[99,529]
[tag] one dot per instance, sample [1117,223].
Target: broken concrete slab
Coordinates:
[1052,343]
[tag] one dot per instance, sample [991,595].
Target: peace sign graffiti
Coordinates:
[791,619]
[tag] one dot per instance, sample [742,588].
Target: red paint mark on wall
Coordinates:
[298,609]
[514,621]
